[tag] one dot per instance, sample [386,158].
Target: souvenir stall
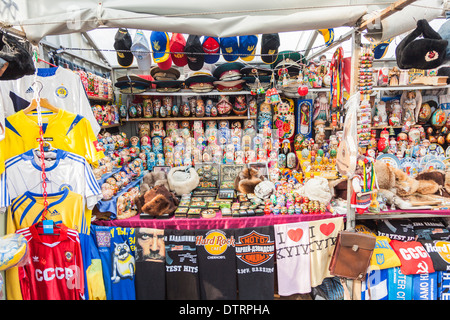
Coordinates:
[215,171]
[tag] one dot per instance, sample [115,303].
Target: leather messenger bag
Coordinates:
[351,256]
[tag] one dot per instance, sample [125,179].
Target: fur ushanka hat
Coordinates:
[424,54]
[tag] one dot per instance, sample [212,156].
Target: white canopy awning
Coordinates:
[209,18]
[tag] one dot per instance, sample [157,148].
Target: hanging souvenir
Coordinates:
[365,71]
[303,115]
[272,96]
[284,119]
[336,70]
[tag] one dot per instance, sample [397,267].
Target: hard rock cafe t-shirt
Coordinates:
[217,264]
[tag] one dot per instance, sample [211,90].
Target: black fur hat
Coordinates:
[424,54]
[20,62]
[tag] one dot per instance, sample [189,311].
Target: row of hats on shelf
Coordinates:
[227,77]
[193,52]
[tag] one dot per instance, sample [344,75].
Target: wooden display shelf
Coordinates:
[190,93]
[110,126]
[190,118]
[375,128]
[409,87]
[99,99]
[407,214]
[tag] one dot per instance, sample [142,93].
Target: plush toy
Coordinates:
[159,201]
[247,180]
[154,179]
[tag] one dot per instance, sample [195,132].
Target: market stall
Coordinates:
[217,171]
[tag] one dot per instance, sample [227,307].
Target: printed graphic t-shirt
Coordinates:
[217,264]
[116,248]
[255,250]
[182,281]
[55,270]
[150,281]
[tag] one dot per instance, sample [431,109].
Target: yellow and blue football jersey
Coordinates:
[65,207]
[63,130]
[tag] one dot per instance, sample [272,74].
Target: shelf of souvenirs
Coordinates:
[189,93]
[113,125]
[372,128]
[406,214]
[243,117]
[186,92]
[409,87]
[95,98]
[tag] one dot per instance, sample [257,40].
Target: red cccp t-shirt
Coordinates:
[413,256]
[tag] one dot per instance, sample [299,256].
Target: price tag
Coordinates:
[47,226]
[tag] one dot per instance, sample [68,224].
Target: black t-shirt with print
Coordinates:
[255,250]
[182,282]
[217,264]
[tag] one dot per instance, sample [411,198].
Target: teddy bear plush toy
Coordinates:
[247,180]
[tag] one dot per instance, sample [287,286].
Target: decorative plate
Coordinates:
[390,159]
